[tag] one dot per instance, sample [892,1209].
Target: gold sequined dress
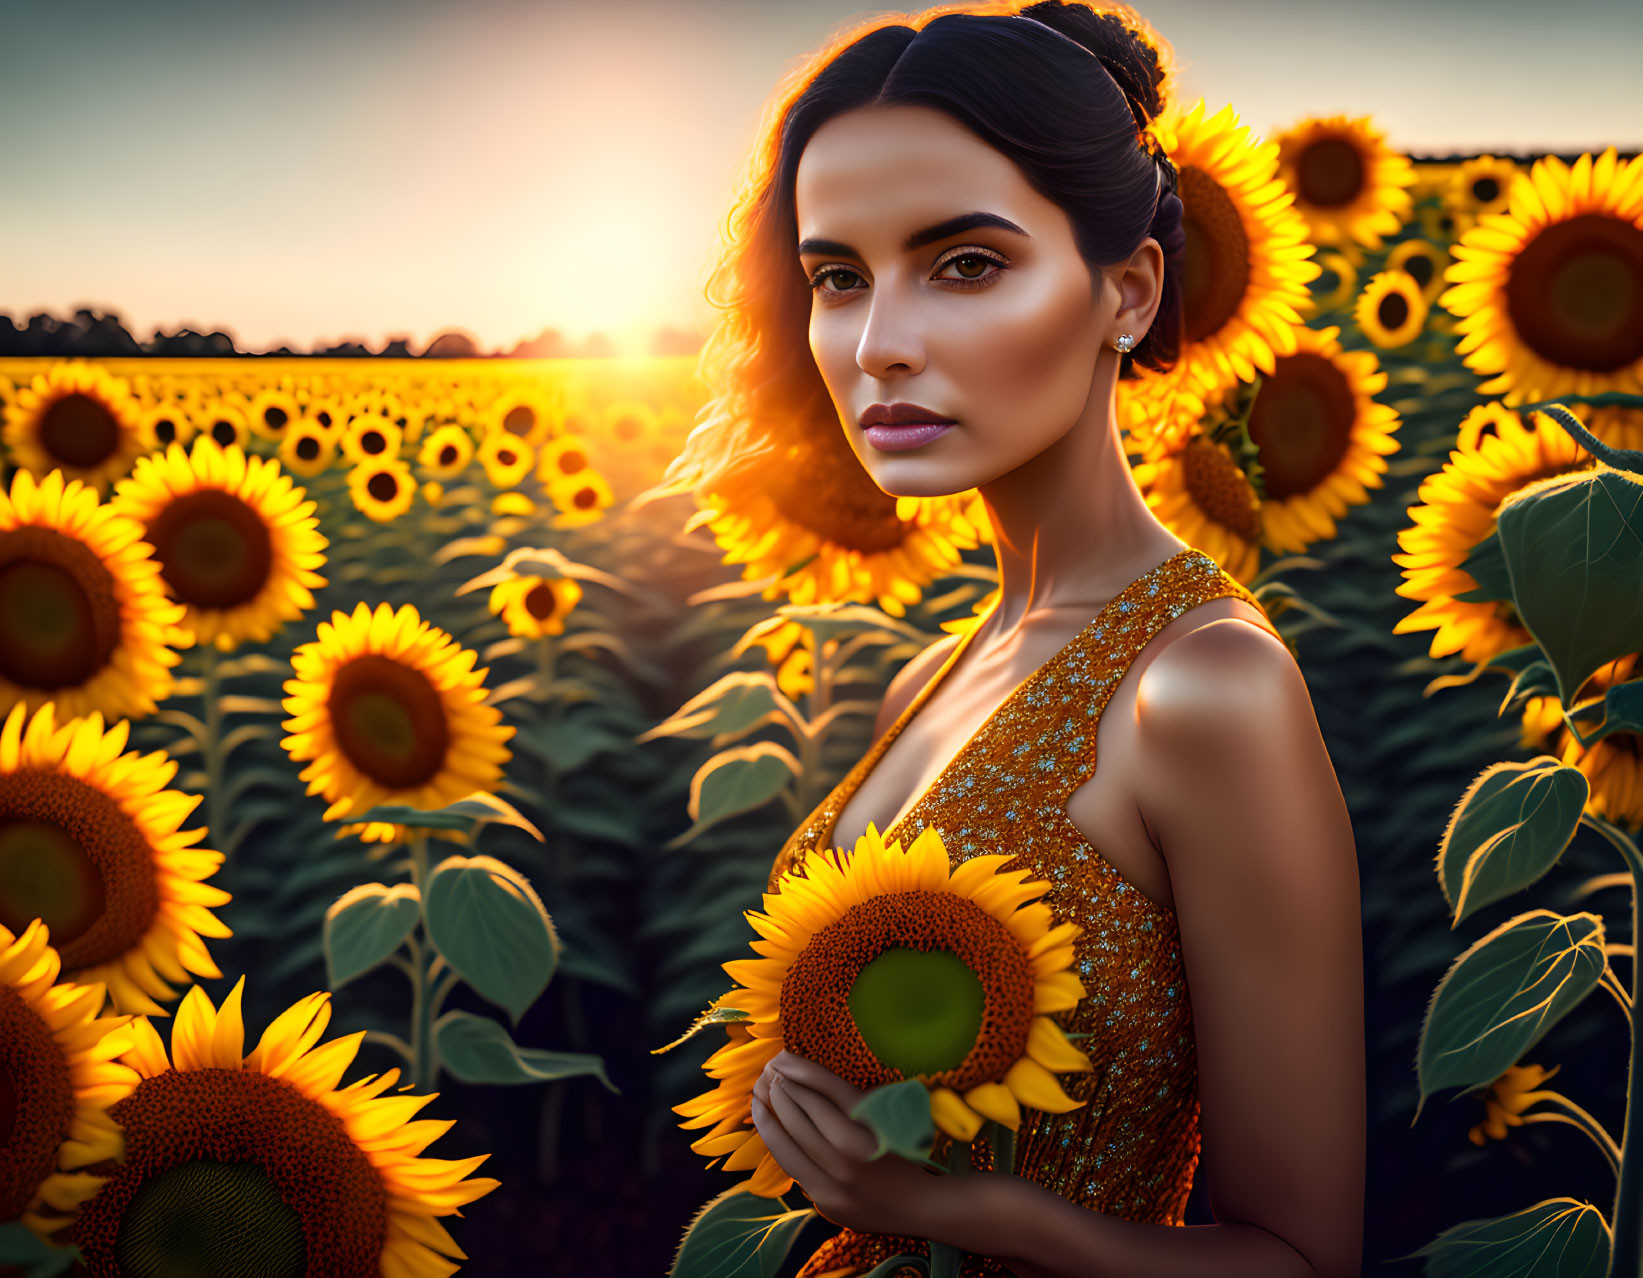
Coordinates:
[1132,1149]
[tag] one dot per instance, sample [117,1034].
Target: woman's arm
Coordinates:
[1245,806]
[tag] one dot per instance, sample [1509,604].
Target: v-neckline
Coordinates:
[871,759]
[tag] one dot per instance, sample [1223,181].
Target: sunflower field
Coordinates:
[392,761]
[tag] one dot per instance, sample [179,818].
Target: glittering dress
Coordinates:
[1130,1151]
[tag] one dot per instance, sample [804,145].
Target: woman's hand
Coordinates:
[802,1113]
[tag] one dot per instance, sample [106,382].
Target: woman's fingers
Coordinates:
[832,1126]
[789,1157]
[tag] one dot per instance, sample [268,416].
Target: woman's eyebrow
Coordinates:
[918,239]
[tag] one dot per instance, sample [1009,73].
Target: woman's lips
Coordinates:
[891,439]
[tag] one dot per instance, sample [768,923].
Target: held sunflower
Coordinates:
[1549,295]
[263,1164]
[90,842]
[885,964]
[84,619]
[389,709]
[237,542]
[58,1077]
[77,418]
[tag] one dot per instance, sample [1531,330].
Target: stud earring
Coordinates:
[1124,343]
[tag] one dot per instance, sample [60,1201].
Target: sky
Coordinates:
[307,172]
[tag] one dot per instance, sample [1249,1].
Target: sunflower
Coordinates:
[563,457]
[1496,454]
[581,499]
[507,459]
[90,842]
[1479,188]
[1349,185]
[783,642]
[263,1164]
[525,414]
[631,425]
[237,541]
[1613,766]
[84,620]
[1321,438]
[1390,311]
[271,411]
[225,423]
[535,606]
[1247,266]
[446,452]
[512,503]
[382,489]
[1508,1096]
[58,1077]
[1424,262]
[1550,295]
[884,964]
[1342,293]
[1541,717]
[369,438]
[307,448]
[78,419]
[390,710]
[165,424]
[813,522]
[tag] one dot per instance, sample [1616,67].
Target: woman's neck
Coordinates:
[1070,527]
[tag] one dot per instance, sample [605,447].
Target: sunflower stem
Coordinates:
[1626,1219]
[216,816]
[424,1068]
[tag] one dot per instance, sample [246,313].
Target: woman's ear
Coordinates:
[1140,283]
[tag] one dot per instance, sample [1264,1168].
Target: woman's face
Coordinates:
[997,329]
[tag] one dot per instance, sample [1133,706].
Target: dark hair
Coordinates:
[1065,91]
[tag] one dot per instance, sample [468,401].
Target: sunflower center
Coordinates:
[389,721]
[1485,189]
[1575,293]
[373,442]
[1419,267]
[165,430]
[918,955]
[44,874]
[382,486]
[213,547]
[1219,488]
[231,1172]
[1302,423]
[59,618]
[275,417]
[448,455]
[307,448]
[819,485]
[1330,173]
[206,1218]
[1392,311]
[540,602]
[519,421]
[571,461]
[1216,275]
[586,498]
[65,845]
[918,1010]
[78,430]
[224,433]
[36,1102]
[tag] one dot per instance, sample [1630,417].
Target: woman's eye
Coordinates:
[970,266]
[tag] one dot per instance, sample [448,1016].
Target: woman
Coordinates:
[967,215]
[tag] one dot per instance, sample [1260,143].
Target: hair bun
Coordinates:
[1123,42]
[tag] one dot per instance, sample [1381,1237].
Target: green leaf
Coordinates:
[734,781]
[467,815]
[736,703]
[365,925]
[1485,563]
[20,1246]
[1622,708]
[738,1235]
[1557,1238]
[488,922]
[1503,993]
[714,1015]
[569,744]
[1573,545]
[478,1050]
[899,1115]
[1510,827]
